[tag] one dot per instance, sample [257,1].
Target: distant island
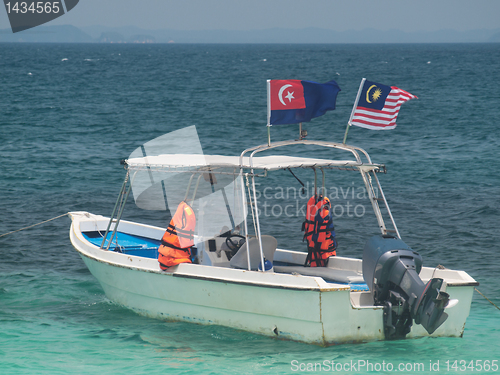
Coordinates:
[114,37]
[103,34]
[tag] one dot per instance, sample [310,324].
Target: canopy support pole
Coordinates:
[315,186]
[188,188]
[120,195]
[257,221]
[323,190]
[120,212]
[196,189]
[244,205]
[386,205]
[223,191]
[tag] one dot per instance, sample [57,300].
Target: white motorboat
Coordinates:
[385,295]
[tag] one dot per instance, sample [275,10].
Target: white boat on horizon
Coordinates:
[385,295]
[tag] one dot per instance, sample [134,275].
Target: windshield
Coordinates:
[215,194]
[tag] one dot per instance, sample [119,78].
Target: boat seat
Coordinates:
[240,259]
[331,274]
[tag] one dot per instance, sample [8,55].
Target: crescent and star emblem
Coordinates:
[289,96]
[376,94]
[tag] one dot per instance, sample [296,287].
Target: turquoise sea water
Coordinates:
[69,113]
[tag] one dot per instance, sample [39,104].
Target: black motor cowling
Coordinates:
[390,269]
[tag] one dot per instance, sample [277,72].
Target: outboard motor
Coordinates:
[390,269]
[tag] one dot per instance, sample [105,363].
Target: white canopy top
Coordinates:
[267,163]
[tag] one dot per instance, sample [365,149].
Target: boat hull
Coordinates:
[295,307]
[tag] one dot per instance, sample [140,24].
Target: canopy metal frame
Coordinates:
[368,173]
[362,163]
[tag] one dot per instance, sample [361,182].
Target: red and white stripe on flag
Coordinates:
[386,117]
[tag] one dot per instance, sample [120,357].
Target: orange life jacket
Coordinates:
[308,225]
[319,232]
[176,243]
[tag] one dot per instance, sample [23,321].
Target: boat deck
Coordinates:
[126,243]
[148,248]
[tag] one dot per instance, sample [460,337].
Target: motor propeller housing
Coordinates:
[391,271]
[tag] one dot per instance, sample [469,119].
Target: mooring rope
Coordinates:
[486,298]
[34,225]
[440,267]
[57,217]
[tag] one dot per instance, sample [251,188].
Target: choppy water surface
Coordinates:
[69,113]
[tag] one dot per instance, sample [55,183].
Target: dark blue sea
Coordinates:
[70,113]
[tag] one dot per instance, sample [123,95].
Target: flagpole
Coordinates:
[269,112]
[354,108]
[346,131]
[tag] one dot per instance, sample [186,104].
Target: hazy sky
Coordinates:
[340,15]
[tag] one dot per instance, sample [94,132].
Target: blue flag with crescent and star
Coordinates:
[293,101]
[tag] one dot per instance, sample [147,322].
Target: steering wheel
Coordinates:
[234,245]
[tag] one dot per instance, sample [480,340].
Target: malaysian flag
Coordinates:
[377,106]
